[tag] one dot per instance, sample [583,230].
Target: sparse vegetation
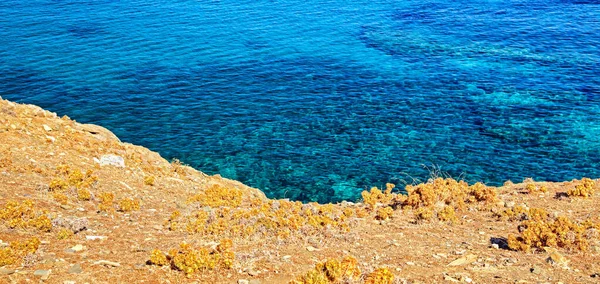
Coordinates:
[381,275]
[331,271]
[64,233]
[191,260]
[217,196]
[586,187]
[128,205]
[560,232]
[425,199]
[533,188]
[23,215]
[17,251]
[149,180]
[106,202]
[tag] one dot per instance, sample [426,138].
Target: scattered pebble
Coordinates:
[44,274]
[6,271]
[495,246]
[46,127]
[286,257]
[75,269]
[78,248]
[243,281]
[107,263]
[311,248]
[468,259]
[451,279]
[95,237]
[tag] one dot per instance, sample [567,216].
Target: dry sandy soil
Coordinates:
[41,155]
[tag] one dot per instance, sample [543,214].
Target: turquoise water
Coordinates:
[319,99]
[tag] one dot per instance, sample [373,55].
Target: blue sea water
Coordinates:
[315,100]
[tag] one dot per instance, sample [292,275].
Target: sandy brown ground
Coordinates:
[34,142]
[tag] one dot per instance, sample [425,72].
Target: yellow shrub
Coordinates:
[57,184]
[384,213]
[128,205]
[560,232]
[106,202]
[532,188]
[424,213]
[64,234]
[380,276]
[375,196]
[331,271]
[68,177]
[84,194]
[447,214]
[23,215]
[520,213]
[18,250]
[217,196]
[585,188]
[60,198]
[158,258]
[191,260]
[149,180]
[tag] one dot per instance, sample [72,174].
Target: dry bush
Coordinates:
[447,214]
[24,215]
[279,218]
[384,213]
[18,251]
[331,271]
[149,180]
[218,195]
[381,275]
[64,233]
[439,197]
[192,260]
[106,202]
[533,188]
[67,177]
[128,205]
[560,232]
[586,187]
[377,197]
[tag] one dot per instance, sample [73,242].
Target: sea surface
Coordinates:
[316,100]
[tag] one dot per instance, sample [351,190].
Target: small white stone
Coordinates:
[47,128]
[78,248]
[112,160]
[311,248]
[92,238]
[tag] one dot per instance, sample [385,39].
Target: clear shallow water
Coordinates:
[317,100]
